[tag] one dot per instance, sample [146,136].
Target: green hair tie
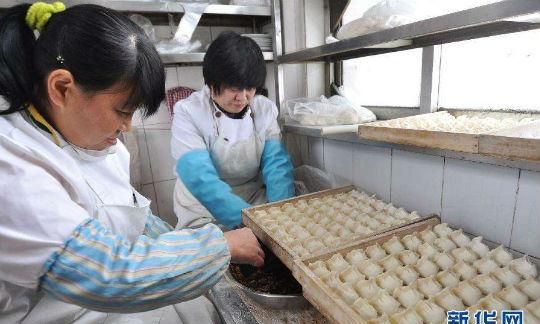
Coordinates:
[40,12]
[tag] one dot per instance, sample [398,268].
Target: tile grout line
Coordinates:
[515,208]
[442,186]
[391,171]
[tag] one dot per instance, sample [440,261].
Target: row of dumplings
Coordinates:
[419,279]
[349,204]
[446,122]
[307,226]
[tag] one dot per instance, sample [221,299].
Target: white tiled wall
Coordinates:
[417,181]
[341,167]
[525,233]
[372,169]
[480,198]
[500,203]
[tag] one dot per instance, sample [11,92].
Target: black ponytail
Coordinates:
[99,46]
[17,43]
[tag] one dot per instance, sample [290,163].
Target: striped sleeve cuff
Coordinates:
[155,226]
[102,271]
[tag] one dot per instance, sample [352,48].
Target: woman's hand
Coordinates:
[244,247]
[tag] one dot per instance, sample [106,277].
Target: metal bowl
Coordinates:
[293,301]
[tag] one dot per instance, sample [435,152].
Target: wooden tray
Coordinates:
[322,297]
[521,142]
[287,256]
[461,142]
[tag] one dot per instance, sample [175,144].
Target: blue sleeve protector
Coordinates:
[199,175]
[277,171]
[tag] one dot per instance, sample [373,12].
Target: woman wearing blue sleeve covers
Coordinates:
[229,133]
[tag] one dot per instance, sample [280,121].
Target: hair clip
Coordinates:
[60,59]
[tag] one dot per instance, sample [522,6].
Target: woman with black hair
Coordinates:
[228,131]
[77,242]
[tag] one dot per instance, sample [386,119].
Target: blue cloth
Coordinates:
[100,270]
[277,171]
[199,175]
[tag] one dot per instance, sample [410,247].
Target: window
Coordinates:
[494,73]
[388,80]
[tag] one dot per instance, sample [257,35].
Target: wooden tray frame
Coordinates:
[519,143]
[322,297]
[461,142]
[287,256]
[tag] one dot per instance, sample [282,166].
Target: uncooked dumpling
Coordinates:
[468,293]
[370,269]
[362,230]
[487,283]
[407,296]
[447,300]
[485,265]
[514,297]
[524,267]
[478,247]
[430,312]
[460,238]
[426,250]
[393,245]
[332,280]
[428,236]
[351,275]
[407,274]
[411,241]
[337,263]
[426,267]
[384,303]
[356,256]
[408,257]
[428,286]
[492,303]
[534,308]
[330,241]
[319,268]
[444,244]
[464,270]
[444,260]
[447,278]
[463,254]
[388,281]
[375,252]
[506,276]
[389,263]
[347,293]
[367,288]
[442,230]
[531,288]
[366,311]
[500,255]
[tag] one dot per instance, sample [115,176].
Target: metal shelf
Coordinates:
[319,131]
[473,23]
[197,58]
[159,7]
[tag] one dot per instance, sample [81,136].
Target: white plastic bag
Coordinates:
[392,13]
[181,42]
[384,15]
[335,110]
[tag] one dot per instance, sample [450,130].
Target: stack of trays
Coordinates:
[361,260]
[415,275]
[263,40]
